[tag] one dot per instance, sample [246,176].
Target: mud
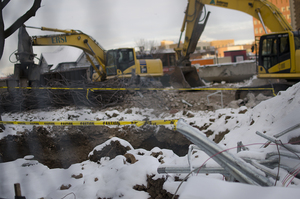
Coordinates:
[62,148]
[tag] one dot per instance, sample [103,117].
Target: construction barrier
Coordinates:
[136,89]
[95,123]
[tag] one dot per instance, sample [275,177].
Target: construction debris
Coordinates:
[242,169]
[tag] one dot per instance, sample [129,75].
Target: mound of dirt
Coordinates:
[63,147]
[112,150]
[155,188]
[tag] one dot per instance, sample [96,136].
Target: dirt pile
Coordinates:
[155,188]
[113,148]
[174,101]
[63,147]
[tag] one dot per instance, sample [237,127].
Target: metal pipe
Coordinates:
[191,147]
[219,91]
[266,170]
[271,139]
[282,133]
[226,163]
[239,169]
[282,153]
[187,170]
[287,130]
[261,20]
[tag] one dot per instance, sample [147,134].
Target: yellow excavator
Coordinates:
[279,51]
[120,62]
[183,73]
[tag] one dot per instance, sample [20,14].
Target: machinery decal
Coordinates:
[143,66]
[95,123]
[219,3]
[59,39]
[222,3]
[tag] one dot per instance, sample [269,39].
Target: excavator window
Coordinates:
[284,49]
[120,59]
[297,40]
[111,65]
[269,52]
[284,44]
[274,49]
[125,59]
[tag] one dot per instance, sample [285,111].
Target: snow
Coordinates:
[115,178]
[214,188]
[101,146]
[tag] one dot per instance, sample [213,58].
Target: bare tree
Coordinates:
[145,45]
[18,23]
[152,45]
[142,44]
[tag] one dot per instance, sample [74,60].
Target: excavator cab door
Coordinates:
[275,54]
[119,60]
[125,59]
[111,62]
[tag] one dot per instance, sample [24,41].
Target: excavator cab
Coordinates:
[119,60]
[279,54]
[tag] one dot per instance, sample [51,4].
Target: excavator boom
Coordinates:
[184,73]
[260,9]
[279,51]
[76,39]
[263,10]
[120,62]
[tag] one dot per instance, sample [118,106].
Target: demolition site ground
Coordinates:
[62,146]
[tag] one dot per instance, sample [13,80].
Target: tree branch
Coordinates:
[2,40]
[19,22]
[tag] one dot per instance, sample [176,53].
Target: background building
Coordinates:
[222,43]
[295,16]
[284,7]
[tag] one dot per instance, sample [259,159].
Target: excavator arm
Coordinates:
[76,39]
[262,10]
[184,74]
[193,30]
[273,60]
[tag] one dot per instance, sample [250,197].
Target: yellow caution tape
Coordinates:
[87,92]
[136,89]
[101,89]
[94,123]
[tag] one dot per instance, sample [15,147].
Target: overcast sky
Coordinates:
[120,23]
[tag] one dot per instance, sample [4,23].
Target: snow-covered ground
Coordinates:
[115,178]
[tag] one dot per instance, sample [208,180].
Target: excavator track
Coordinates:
[242,92]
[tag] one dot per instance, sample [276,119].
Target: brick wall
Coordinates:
[295,15]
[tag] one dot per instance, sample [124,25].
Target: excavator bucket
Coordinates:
[185,77]
[178,76]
